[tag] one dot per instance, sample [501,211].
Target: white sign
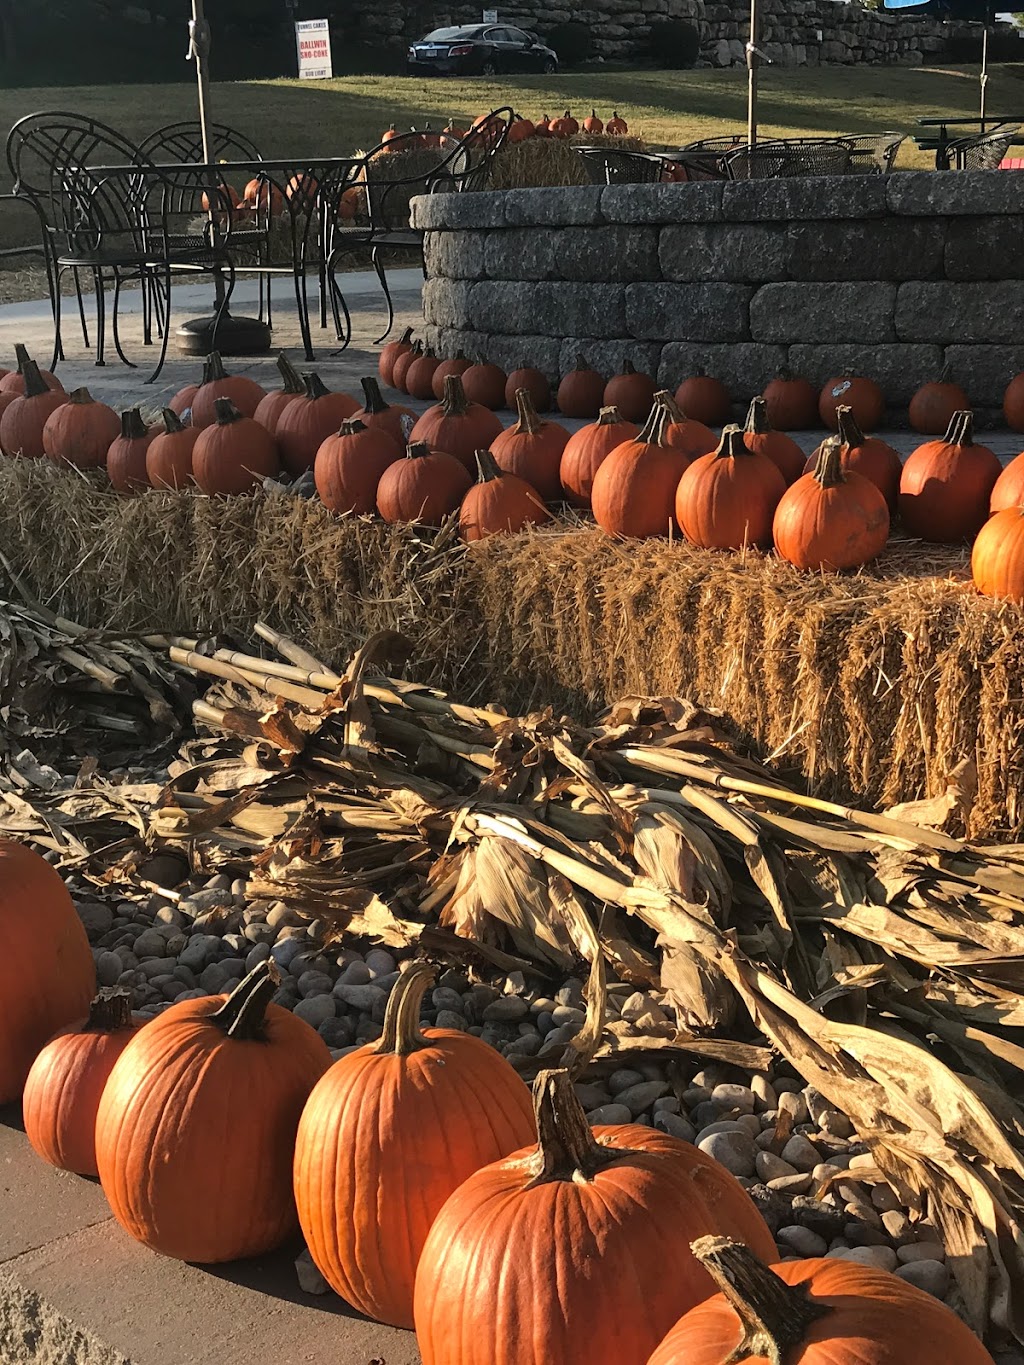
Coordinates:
[490,16]
[313,45]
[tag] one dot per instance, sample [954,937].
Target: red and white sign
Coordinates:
[313,44]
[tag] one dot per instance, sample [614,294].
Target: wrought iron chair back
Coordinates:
[983,151]
[616,166]
[770,161]
[873,153]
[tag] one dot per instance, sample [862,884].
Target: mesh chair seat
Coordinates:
[612,166]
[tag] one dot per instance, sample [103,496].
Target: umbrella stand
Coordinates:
[752,55]
[232,335]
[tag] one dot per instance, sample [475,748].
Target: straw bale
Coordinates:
[875,685]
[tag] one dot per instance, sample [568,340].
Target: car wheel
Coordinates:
[549,68]
[488,69]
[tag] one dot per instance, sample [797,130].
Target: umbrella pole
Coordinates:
[752,74]
[199,48]
[984,72]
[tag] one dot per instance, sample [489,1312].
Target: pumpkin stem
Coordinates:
[292,379]
[628,367]
[658,419]
[133,428]
[850,433]
[757,423]
[352,426]
[35,384]
[581,361]
[529,423]
[960,431]
[110,1010]
[214,368]
[566,1147]
[80,397]
[406,337]
[674,410]
[242,1014]
[226,412]
[828,469]
[402,1017]
[21,355]
[608,417]
[774,1315]
[417,450]
[454,403]
[487,467]
[375,402]
[172,422]
[732,443]
[946,374]
[314,387]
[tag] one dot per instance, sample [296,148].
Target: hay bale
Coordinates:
[540,162]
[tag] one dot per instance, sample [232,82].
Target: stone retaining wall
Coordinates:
[892,277]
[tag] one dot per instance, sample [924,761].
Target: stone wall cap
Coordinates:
[954,194]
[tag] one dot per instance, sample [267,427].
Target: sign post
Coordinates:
[313,48]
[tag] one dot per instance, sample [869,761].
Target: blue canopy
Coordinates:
[981,11]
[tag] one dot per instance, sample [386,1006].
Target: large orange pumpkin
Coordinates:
[726,500]
[532,449]
[270,407]
[427,486]
[13,381]
[705,399]
[997,559]
[244,392]
[195,1133]
[684,432]
[831,519]
[234,455]
[169,455]
[933,405]
[403,364]
[587,449]
[47,976]
[535,384]
[349,466]
[80,431]
[499,503]
[384,1141]
[576,1251]
[631,392]
[782,450]
[1009,487]
[867,455]
[485,384]
[457,365]
[126,458]
[792,402]
[390,354]
[23,420]
[862,395]
[419,377]
[634,488]
[382,416]
[581,391]
[814,1312]
[63,1089]
[946,485]
[457,425]
[305,424]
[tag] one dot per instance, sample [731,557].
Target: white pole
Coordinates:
[199,51]
[984,72]
[752,75]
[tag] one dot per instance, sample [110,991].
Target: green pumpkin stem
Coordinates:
[529,423]
[292,379]
[375,401]
[214,368]
[454,403]
[401,1033]
[172,422]
[314,387]
[487,467]
[774,1315]
[35,384]
[133,428]
[109,1011]
[226,412]
[566,1147]
[658,419]
[732,443]
[828,468]
[757,423]
[243,1013]
[850,433]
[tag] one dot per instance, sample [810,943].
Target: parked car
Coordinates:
[479,50]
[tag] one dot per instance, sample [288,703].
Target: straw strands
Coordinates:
[880,684]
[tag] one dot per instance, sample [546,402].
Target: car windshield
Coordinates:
[448,35]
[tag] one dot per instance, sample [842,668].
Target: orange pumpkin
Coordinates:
[302,190]
[581,391]
[635,485]
[813,1312]
[383,1112]
[792,402]
[349,466]
[933,405]
[705,399]
[63,1089]
[532,449]
[867,455]
[457,426]
[272,405]
[726,500]
[457,365]
[1009,487]
[542,128]
[782,450]
[126,458]
[1013,403]
[419,377]
[831,519]
[684,432]
[565,127]
[169,455]
[587,449]
[237,1066]
[997,559]
[13,381]
[402,366]
[263,195]
[535,384]
[234,455]
[519,130]
[862,396]
[632,393]
[582,1242]
[390,354]
[616,127]
[80,431]
[305,424]
[24,419]
[47,976]
[381,416]
[499,503]
[245,393]
[946,485]
[485,384]
[592,124]
[183,399]
[426,486]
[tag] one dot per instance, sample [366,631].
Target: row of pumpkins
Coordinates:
[793,403]
[432,1192]
[520,129]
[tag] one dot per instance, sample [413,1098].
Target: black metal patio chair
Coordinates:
[771,161]
[873,153]
[616,166]
[982,151]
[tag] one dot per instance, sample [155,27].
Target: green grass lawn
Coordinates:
[287,117]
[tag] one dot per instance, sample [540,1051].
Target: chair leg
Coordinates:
[378,265]
[101,316]
[222,307]
[58,346]
[166,330]
[81,308]
[302,303]
[113,321]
